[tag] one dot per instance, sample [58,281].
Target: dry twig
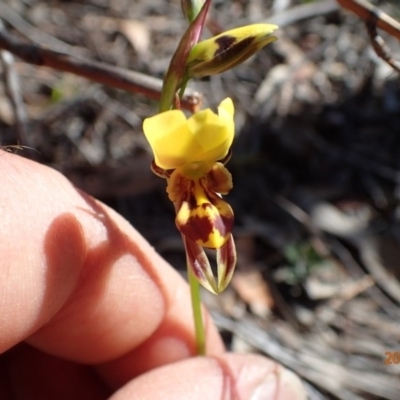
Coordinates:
[369,12]
[120,78]
[380,47]
[376,18]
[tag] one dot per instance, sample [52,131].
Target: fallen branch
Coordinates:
[375,18]
[120,78]
[380,47]
[369,13]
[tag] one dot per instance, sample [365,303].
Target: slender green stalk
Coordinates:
[167,95]
[197,315]
[184,83]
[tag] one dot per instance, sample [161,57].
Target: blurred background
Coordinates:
[316,168]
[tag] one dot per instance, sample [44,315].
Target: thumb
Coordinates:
[225,377]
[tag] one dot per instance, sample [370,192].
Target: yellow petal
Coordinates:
[226,261]
[177,141]
[213,134]
[170,139]
[259,31]
[226,109]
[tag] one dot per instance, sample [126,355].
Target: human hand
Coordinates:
[88,310]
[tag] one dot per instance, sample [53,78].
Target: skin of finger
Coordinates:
[162,348]
[86,287]
[225,377]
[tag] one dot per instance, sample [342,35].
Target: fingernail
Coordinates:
[280,384]
[266,389]
[260,378]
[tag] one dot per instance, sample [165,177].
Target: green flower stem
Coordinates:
[197,315]
[177,67]
[167,95]
[182,89]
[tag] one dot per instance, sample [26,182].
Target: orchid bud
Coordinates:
[230,48]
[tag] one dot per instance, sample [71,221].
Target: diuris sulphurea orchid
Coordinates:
[190,153]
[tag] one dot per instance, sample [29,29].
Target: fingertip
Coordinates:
[259,378]
[228,376]
[173,341]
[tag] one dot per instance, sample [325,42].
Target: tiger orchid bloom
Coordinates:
[190,153]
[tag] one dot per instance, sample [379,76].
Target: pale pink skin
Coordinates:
[80,285]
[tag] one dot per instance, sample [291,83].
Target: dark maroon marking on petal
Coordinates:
[183,187]
[226,259]
[199,264]
[217,201]
[220,226]
[223,224]
[197,228]
[198,260]
[189,193]
[218,175]
[162,173]
[227,223]
[191,199]
[218,180]
[200,227]
[212,179]
[235,50]
[224,43]
[228,255]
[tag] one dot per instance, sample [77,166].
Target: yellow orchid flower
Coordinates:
[230,48]
[177,141]
[190,153]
